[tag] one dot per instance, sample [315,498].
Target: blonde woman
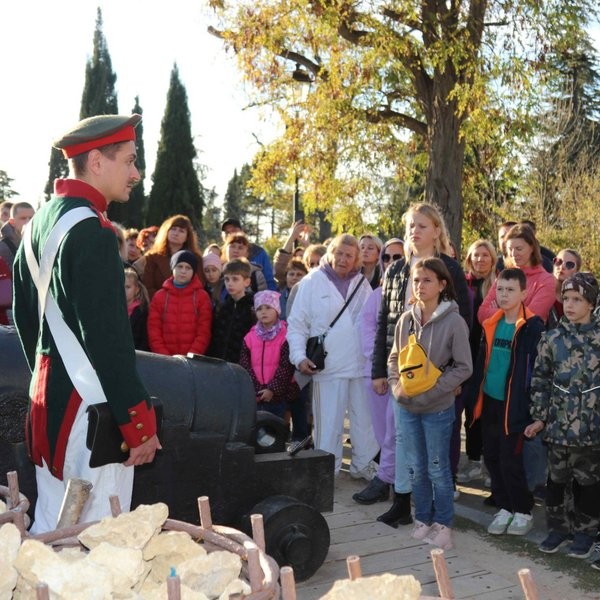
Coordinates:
[425,236]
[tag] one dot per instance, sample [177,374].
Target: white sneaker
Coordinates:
[472,470]
[520,525]
[502,519]
[367,473]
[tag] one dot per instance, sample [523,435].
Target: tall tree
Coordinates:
[98,98]
[132,213]
[384,74]
[211,220]
[176,187]
[233,203]
[6,190]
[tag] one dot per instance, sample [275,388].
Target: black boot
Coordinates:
[399,514]
[376,491]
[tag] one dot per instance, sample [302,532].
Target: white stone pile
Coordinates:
[376,587]
[128,557]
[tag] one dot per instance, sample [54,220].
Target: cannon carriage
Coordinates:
[213,445]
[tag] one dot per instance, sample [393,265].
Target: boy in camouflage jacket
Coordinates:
[566,405]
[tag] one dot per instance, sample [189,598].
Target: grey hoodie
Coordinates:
[445,338]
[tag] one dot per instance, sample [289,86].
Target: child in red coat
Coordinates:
[180,314]
[266,356]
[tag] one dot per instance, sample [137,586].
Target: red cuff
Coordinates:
[142,425]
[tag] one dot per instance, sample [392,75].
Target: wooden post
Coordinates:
[204,510]
[441,573]
[115,505]
[288,584]
[528,584]
[13,489]
[258,531]
[173,587]
[353,564]
[255,573]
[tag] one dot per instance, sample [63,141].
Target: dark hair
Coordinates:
[239,237]
[507,224]
[79,162]
[530,223]
[17,206]
[238,266]
[296,264]
[440,269]
[525,233]
[514,273]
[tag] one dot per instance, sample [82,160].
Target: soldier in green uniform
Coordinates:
[565,391]
[87,286]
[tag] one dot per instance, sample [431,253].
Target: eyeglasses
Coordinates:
[386,257]
[558,262]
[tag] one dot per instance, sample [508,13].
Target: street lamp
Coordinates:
[300,94]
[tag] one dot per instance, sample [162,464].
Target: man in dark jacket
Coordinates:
[86,290]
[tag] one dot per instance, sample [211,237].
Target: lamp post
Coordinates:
[303,81]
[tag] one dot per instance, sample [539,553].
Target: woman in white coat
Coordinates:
[338,388]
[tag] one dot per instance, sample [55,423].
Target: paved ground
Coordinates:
[480,566]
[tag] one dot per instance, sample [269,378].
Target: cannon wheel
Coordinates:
[295,534]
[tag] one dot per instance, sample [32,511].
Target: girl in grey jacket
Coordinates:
[424,421]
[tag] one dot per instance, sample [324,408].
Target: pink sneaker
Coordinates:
[440,536]
[420,530]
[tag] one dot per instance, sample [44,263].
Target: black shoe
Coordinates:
[399,514]
[596,564]
[376,491]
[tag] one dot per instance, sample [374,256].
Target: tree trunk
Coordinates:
[446,151]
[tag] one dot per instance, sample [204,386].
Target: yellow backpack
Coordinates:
[417,373]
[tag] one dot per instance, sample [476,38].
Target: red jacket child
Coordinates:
[180,315]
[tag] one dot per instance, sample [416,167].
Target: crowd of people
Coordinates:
[508,344]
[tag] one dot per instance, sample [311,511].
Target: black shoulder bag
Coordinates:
[315,345]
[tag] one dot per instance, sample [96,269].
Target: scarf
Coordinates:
[265,334]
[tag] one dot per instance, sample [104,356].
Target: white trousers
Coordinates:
[110,480]
[332,399]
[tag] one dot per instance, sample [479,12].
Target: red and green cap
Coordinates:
[98,131]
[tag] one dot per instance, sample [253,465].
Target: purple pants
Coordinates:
[382,416]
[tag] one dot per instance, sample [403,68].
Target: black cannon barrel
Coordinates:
[201,393]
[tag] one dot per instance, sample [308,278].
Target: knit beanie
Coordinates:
[583,283]
[212,260]
[184,256]
[268,297]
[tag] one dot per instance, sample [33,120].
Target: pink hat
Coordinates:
[268,297]
[212,260]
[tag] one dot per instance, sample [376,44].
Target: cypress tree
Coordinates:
[137,199]
[176,187]
[99,98]
[234,198]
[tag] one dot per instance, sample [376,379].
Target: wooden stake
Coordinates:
[258,531]
[441,573]
[204,510]
[354,569]
[288,584]
[255,572]
[528,584]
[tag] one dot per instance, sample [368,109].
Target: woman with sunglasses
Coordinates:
[565,264]
[380,405]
